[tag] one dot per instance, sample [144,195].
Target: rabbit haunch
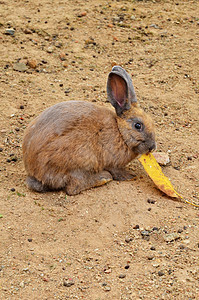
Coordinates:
[76,145]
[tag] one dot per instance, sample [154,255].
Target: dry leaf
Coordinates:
[161,181]
[155,172]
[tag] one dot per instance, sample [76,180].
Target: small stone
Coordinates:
[10,31]
[151,201]
[180,230]
[20,67]
[152,248]
[12,189]
[82,14]
[50,50]
[136,227]
[22,284]
[160,273]
[21,107]
[27,31]
[150,257]
[32,63]
[30,240]
[171,237]
[182,247]
[128,239]
[107,271]
[68,282]
[1,149]
[17,129]
[122,276]
[14,159]
[154,26]
[186,241]
[145,235]
[62,56]
[107,288]
[127,267]
[65,65]
[162,158]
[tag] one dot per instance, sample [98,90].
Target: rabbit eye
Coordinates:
[138,126]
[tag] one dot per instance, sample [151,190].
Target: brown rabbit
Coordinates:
[76,145]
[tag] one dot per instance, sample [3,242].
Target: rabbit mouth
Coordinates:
[144,148]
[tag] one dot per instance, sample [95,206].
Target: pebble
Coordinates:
[82,14]
[162,158]
[30,240]
[20,67]
[9,31]
[62,56]
[27,31]
[22,284]
[107,288]
[154,26]
[151,257]
[186,241]
[1,149]
[182,247]
[14,159]
[144,233]
[32,63]
[171,237]
[12,189]
[160,273]
[127,267]
[122,276]
[128,239]
[151,201]
[50,50]
[136,227]
[68,282]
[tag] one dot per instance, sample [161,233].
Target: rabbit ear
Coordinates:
[120,90]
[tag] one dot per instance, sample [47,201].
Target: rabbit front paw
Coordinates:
[80,181]
[122,174]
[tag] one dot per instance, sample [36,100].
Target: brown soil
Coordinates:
[53,246]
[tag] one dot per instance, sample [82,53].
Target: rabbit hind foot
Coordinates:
[36,185]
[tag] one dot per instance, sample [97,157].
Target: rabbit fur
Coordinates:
[76,145]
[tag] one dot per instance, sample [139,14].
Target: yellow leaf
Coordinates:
[161,181]
[155,172]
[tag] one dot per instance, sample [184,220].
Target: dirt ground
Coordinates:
[124,240]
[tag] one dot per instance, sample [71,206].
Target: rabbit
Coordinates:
[77,145]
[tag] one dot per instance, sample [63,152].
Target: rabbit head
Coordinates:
[135,126]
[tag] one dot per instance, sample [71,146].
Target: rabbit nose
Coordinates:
[152,147]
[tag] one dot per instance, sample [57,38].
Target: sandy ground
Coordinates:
[123,240]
